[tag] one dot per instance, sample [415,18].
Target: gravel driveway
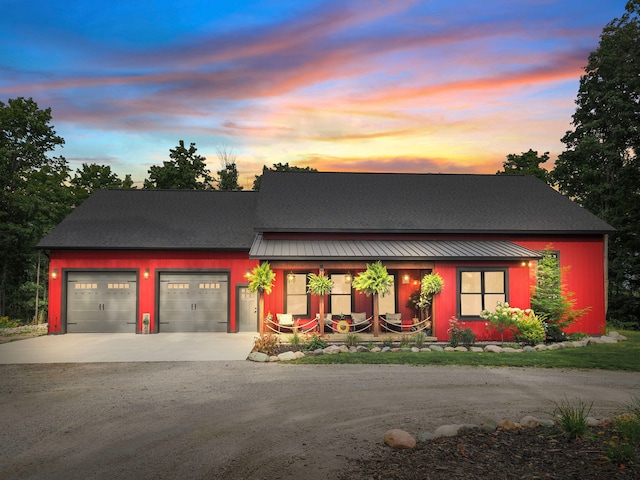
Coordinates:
[243,420]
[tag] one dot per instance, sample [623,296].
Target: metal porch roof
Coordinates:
[294,249]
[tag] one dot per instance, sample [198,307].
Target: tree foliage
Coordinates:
[186,170]
[600,167]
[228,176]
[279,167]
[527,163]
[550,300]
[375,280]
[33,198]
[92,177]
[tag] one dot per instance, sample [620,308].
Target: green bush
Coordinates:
[267,343]
[418,339]
[352,340]
[6,323]
[316,342]
[530,329]
[459,335]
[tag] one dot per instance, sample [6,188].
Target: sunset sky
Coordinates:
[350,85]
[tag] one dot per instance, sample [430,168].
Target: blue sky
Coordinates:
[377,85]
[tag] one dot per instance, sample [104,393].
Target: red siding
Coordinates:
[236,262]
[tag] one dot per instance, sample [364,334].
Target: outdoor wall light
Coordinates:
[54,274]
[146,273]
[291,277]
[247,273]
[347,277]
[406,279]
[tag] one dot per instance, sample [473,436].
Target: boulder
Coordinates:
[477,349]
[425,437]
[493,349]
[508,425]
[461,349]
[449,349]
[299,354]
[528,348]
[488,424]
[285,356]
[376,349]
[447,430]
[529,421]
[415,349]
[436,348]
[399,439]
[258,357]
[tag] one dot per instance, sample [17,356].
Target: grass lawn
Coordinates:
[620,356]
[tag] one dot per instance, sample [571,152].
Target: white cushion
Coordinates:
[285,319]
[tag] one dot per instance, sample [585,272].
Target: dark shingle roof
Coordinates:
[158,219]
[417,203]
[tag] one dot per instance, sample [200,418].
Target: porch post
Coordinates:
[261,310]
[321,306]
[376,320]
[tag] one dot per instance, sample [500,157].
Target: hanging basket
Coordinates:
[343,326]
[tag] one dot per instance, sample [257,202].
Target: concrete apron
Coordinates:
[127,347]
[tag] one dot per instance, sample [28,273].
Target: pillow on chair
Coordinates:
[284,319]
[359,317]
[393,317]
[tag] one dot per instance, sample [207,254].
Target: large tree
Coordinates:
[33,198]
[600,167]
[92,177]
[228,175]
[527,163]
[186,170]
[279,167]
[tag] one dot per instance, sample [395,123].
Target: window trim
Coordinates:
[482,270]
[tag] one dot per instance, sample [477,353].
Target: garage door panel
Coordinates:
[101,302]
[193,302]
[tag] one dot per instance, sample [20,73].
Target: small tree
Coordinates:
[549,300]
[320,285]
[261,280]
[376,281]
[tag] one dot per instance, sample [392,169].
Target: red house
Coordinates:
[179,258]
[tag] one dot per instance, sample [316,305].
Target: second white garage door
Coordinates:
[194,302]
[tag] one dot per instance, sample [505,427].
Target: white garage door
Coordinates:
[101,302]
[194,302]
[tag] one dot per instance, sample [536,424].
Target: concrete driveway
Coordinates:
[126,347]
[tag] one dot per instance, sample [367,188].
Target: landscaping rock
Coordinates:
[274,358]
[461,349]
[362,348]
[399,439]
[415,349]
[258,357]
[449,349]
[488,424]
[529,422]
[425,437]
[509,349]
[284,356]
[508,425]
[540,347]
[447,431]
[375,349]
[592,422]
[299,354]
[332,350]
[528,348]
[493,349]
[436,348]
[476,349]
[546,422]
[353,349]
[344,349]
[385,349]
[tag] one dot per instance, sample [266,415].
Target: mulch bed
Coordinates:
[540,453]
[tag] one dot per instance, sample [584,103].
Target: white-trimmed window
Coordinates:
[480,289]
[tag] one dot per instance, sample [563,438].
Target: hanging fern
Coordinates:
[375,280]
[319,284]
[261,278]
[430,285]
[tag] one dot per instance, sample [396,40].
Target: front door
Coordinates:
[247,310]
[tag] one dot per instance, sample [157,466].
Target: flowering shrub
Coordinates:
[525,325]
[459,335]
